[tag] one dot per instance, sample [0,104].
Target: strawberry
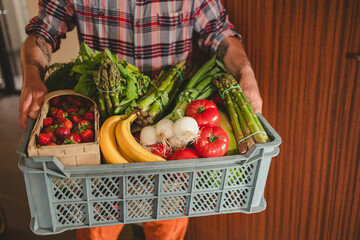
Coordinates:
[48,122]
[72,138]
[61,132]
[55,101]
[77,102]
[51,129]
[82,111]
[85,124]
[51,144]
[87,135]
[44,139]
[76,130]
[53,112]
[61,114]
[76,119]
[68,124]
[71,110]
[53,137]
[69,99]
[64,105]
[61,120]
[89,116]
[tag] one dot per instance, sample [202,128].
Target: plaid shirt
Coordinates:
[149,34]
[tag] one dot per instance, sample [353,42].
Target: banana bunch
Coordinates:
[118,145]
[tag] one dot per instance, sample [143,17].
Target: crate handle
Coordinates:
[25,137]
[276,141]
[273,153]
[59,173]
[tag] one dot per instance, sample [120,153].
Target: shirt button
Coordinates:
[137,23]
[138,55]
[101,13]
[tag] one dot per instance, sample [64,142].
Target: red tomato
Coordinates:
[204,112]
[212,142]
[160,150]
[186,153]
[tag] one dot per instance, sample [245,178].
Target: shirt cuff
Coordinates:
[54,41]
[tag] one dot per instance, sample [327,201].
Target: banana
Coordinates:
[128,144]
[107,140]
[124,154]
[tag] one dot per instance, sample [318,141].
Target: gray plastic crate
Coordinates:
[63,198]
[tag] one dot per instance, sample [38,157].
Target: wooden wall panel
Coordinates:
[301,53]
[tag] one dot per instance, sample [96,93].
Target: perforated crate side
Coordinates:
[63,198]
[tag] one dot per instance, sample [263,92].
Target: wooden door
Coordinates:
[303,53]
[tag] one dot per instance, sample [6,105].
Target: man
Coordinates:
[149,34]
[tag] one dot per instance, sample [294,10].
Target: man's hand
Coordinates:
[250,88]
[35,58]
[234,57]
[31,98]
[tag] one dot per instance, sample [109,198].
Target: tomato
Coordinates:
[204,112]
[160,150]
[212,142]
[186,153]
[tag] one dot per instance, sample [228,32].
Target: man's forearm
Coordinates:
[233,54]
[35,56]
[234,57]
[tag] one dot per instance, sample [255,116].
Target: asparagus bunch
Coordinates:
[113,82]
[160,94]
[107,80]
[247,127]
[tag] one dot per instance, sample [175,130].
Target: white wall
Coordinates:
[16,19]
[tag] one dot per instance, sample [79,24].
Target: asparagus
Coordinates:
[104,85]
[114,82]
[155,110]
[150,120]
[253,113]
[233,117]
[145,103]
[229,81]
[170,76]
[144,113]
[101,101]
[167,83]
[249,140]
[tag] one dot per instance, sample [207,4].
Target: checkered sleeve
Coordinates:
[212,24]
[55,19]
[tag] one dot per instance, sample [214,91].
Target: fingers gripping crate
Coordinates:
[69,197]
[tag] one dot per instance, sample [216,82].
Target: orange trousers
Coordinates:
[173,229]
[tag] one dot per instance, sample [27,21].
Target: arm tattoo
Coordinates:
[222,49]
[41,43]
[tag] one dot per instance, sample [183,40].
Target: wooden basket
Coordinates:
[69,154]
